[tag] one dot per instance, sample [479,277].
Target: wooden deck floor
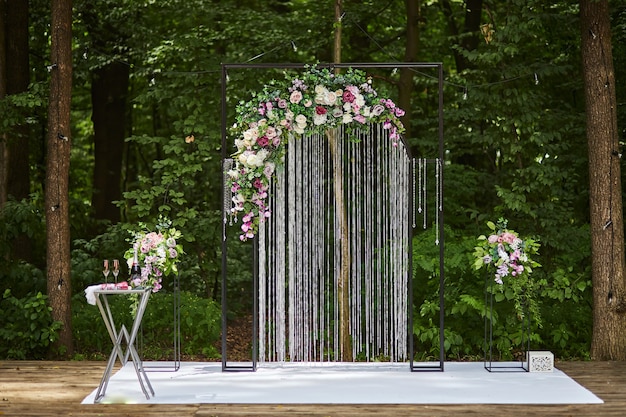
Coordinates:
[30,388]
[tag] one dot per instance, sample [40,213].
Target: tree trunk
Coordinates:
[3,91]
[109,90]
[57,173]
[605,189]
[410,55]
[469,37]
[343,279]
[17,78]
[343,286]
[17,142]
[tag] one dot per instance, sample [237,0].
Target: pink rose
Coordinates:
[295,97]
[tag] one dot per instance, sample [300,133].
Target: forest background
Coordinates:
[146,140]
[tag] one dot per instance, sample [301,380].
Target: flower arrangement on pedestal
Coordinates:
[511,258]
[314,101]
[157,253]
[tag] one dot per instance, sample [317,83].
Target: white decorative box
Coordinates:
[540,361]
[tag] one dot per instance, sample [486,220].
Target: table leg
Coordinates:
[107,315]
[104,382]
[119,337]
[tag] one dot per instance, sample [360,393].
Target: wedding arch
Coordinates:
[324,190]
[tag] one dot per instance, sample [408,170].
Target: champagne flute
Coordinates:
[105,270]
[116,270]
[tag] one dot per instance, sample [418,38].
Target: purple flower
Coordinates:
[503,270]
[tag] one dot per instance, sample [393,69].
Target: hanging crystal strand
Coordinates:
[351,208]
[329,252]
[379,244]
[382,247]
[269,305]
[280,239]
[315,204]
[367,245]
[291,273]
[305,246]
[419,184]
[270,323]
[414,179]
[227,194]
[437,202]
[298,251]
[317,245]
[424,188]
[394,200]
[320,248]
[262,288]
[337,267]
[311,257]
[397,201]
[403,271]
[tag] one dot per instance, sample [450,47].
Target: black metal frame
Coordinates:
[488,364]
[414,367]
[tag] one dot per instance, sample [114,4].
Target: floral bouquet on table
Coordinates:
[156,252]
[511,257]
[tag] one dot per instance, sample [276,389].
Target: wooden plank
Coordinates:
[33,388]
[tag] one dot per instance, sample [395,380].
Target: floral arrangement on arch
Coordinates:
[510,259]
[158,253]
[313,101]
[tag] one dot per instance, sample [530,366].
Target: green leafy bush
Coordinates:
[200,321]
[26,326]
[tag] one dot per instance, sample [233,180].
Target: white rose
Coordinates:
[251,134]
[252,160]
[320,119]
[262,154]
[298,129]
[320,94]
[301,120]
[330,98]
[239,198]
